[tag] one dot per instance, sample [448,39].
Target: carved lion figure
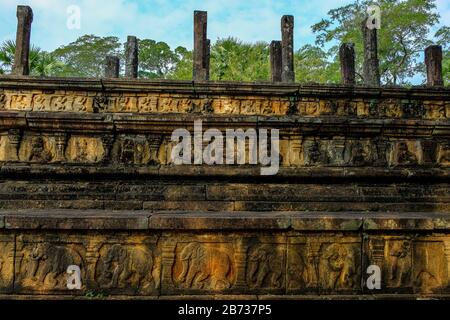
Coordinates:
[337,267]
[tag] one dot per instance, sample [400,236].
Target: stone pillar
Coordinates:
[201,47]
[275,61]
[433,61]
[24,20]
[15,136]
[131,56]
[287,48]
[371,71]
[347,59]
[208,57]
[112,67]
[61,142]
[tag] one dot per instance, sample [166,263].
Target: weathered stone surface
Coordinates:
[131,58]
[201,47]
[86,178]
[347,60]
[21,58]
[324,264]
[75,220]
[276,65]
[371,71]
[112,67]
[433,63]
[6,262]
[410,263]
[287,49]
[219,221]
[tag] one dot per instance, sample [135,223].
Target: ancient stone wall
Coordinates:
[87,180]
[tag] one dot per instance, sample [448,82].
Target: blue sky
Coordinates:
[171,20]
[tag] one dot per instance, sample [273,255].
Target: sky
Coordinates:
[170,21]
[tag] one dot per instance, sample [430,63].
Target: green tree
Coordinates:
[156,59]
[234,60]
[443,38]
[41,63]
[312,64]
[46,64]
[183,68]
[7,52]
[404,34]
[86,56]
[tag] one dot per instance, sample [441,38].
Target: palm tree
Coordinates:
[41,63]
[7,52]
[45,64]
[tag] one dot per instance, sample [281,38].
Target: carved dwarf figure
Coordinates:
[404,155]
[38,151]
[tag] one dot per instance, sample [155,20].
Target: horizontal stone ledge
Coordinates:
[75,219]
[167,122]
[218,87]
[54,170]
[222,221]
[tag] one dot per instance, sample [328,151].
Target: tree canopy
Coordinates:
[405,32]
[86,56]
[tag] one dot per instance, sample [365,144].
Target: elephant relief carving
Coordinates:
[337,267]
[124,267]
[400,264]
[264,267]
[47,264]
[204,267]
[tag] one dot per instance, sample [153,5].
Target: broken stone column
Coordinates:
[201,47]
[433,62]
[112,67]
[24,20]
[347,59]
[371,71]
[287,48]
[275,61]
[131,56]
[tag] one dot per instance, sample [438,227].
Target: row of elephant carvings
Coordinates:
[311,264]
[156,149]
[391,108]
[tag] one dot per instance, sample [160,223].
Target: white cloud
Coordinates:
[171,21]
